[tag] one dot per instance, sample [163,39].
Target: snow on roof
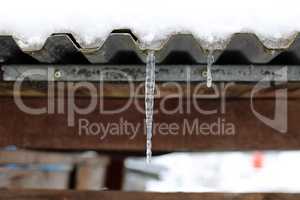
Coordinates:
[153,21]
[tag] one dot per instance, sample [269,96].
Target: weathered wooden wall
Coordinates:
[50,131]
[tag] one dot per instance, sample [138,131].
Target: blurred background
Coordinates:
[259,171]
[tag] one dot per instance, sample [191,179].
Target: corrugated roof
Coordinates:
[124,48]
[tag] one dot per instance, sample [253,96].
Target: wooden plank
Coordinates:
[36,157]
[44,157]
[115,195]
[50,131]
[34,178]
[91,175]
[90,169]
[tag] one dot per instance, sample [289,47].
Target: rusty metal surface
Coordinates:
[164,73]
[120,90]
[124,48]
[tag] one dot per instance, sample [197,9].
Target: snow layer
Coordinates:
[90,21]
[227,172]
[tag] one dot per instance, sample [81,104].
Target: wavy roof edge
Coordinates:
[218,43]
[59,45]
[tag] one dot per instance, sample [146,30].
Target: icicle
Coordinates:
[149,101]
[210,61]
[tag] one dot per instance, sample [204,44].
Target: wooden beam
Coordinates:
[51,131]
[115,195]
[115,173]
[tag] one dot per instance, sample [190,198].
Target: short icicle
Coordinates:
[210,61]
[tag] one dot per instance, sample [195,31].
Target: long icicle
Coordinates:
[149,101]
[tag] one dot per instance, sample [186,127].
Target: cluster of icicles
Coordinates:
[149,96]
